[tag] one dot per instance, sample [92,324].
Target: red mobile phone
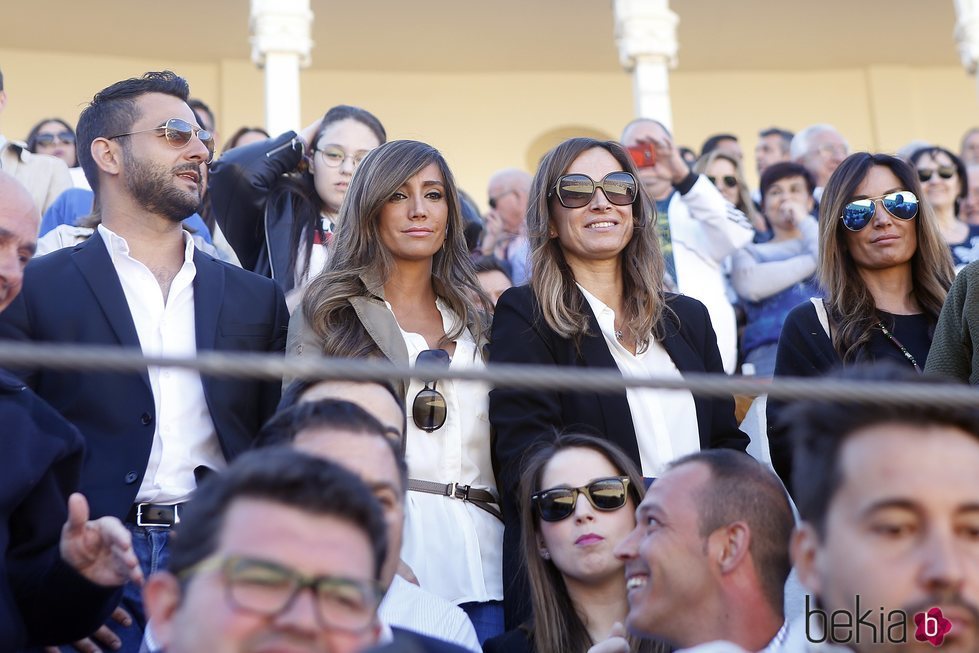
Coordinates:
[643,155]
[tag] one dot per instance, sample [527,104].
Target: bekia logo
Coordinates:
[874,626]
[931,627]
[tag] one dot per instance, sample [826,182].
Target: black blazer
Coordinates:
[519,417]
[74,296]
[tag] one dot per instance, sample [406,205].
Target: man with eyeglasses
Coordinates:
[709,556]
[821,149]
[505,234]
[282,551]
[45,177]
[138,282]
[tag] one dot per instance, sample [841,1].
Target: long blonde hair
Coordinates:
[553,282]
[358,254]
[850,304]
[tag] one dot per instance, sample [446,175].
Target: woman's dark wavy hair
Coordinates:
[851,307]
[299,189]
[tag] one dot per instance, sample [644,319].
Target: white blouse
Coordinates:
[454,547]
[665,420]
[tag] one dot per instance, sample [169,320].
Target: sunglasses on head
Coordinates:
[605,494]
[178,133]
[428,410]
[945,172]
[729,180]
[63,138]
[577,190]
[857,214]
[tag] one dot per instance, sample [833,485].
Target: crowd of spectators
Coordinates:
[169,510]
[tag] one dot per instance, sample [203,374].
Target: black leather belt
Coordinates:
[154,514]
[482,499]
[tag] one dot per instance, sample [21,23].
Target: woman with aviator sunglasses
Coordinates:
[885,272]
[943,179]
[596,301]
[277,200]
[55,137]
[578,497]
[400,286]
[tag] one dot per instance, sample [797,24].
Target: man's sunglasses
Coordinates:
[577,190]
[178,133]
[63,138]
[429,409]
[902,204]
[945,172]
[605,494]
[729,180]
[493,201]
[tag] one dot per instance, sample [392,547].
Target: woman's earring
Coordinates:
[544,553]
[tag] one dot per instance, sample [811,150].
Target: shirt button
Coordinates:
[146,419]
[131,478]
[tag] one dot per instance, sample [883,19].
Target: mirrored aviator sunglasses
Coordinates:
[605,494]
[429,410]
[577,190]
[902,204]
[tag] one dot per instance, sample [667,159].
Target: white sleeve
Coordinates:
[726,229]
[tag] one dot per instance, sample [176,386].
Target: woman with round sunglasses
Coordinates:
[944,182]
[578,497]
[55,137]
[596,301]
[400,286]
[727,174]
[277,200]
[884,271]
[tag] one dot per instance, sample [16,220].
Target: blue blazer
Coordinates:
[73,296]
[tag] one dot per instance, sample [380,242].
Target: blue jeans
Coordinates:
[487,618]
[151,547]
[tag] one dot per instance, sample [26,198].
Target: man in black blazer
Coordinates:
[139,283]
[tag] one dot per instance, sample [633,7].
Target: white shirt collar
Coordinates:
[116,244]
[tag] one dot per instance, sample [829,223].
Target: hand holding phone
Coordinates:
[643,155]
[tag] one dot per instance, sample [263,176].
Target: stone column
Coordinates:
[645,33]
[281,42]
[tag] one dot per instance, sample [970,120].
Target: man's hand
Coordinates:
[100,550]
[615,643]
[103,636]
[669,163]
[493,234]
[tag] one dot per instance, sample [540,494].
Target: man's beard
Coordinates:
[154,187]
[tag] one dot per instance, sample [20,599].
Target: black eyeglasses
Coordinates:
[429,409]
[62,138]
[268,588]
[577,190]
[178,133]
[493,201]
[605,494]
[729,180]
[857,214]
[945,172]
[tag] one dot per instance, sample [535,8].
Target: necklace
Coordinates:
[897,343]
[618,335]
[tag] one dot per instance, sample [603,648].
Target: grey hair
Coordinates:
[801,142]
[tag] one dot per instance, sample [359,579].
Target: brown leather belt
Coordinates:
[482,499]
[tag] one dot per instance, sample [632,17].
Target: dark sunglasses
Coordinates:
[902,204]
[429,409]
[945,172]
[493,201]
[64,138]
[729,180]
[605,494]
[178,133]
[577,190]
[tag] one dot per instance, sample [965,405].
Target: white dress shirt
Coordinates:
[408,606]
[454,547]
[184,437]
[665,420]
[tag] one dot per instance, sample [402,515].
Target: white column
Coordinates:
[281,43]
[645,33]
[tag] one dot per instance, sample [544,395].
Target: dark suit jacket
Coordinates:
[407,641]
[42,599]
[74,296]
[521,417]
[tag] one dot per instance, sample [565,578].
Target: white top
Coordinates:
[665,420]
[408,606]
[184,437]
[318,255]
[454,548]
[78,179]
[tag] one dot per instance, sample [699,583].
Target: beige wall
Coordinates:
[483,122]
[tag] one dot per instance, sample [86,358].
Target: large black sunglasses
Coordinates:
[63,138]
[428,410]
[902,204]
[605,494]
[178,133]
[577,190]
